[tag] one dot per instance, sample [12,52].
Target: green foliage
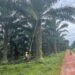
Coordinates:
[21,24]
[73,45]
[49,66]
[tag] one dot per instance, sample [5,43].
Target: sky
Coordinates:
[71,28]
[65,3]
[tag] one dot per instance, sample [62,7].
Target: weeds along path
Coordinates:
[68,67]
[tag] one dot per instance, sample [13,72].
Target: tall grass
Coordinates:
[49,66]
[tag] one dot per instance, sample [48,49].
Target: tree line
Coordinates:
[32,26]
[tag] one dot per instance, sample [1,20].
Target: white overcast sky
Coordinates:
[71,28]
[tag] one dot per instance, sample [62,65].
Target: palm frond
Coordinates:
[65,13]
[63,26]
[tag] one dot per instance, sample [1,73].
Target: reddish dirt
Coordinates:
[68,67]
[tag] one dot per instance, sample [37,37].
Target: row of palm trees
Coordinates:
[31,25]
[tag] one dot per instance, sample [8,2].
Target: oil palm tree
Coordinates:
[44,12]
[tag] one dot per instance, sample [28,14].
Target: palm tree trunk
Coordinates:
[55,46]
[4,59]
[38,41]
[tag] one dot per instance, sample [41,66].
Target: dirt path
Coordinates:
[68,67]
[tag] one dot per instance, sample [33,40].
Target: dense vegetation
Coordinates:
[73,45]
[33,26]
[49,66]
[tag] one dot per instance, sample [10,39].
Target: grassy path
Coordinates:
[49,66]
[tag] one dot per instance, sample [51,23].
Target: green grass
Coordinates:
[48,66]
[73,50]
